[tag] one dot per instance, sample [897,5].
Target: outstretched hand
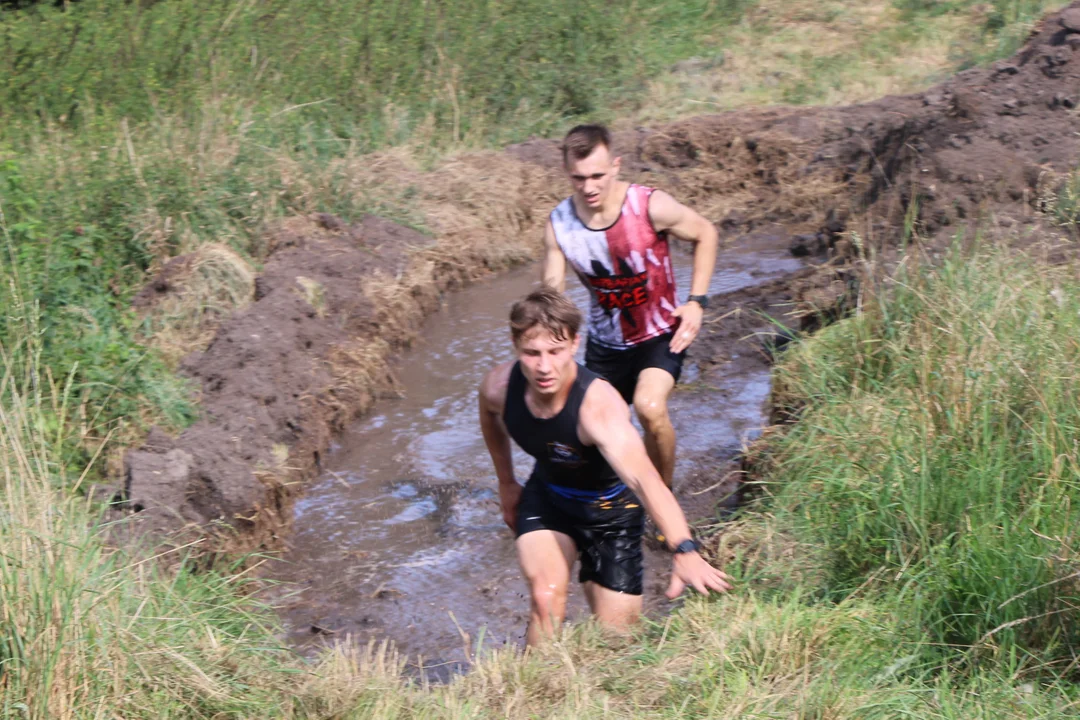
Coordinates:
[693,570]
[689,326]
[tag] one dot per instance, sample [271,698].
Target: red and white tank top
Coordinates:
[627,268]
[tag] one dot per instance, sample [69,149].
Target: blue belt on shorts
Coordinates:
[586,496]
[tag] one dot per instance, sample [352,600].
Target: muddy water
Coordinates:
[402,537]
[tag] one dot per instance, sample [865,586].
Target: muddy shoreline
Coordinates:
[400,537]
[336,301]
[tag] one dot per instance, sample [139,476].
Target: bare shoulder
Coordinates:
[493,386]
[664,210]
[601,408]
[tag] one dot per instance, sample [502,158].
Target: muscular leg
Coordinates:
[614,610]
[654,386]
[546,558]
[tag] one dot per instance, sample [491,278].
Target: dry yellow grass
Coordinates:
[822,53]
[210,284]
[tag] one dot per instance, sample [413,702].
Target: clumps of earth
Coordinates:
[990,147]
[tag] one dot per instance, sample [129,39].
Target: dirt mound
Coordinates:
[311,352]
[990,143]
[270,397]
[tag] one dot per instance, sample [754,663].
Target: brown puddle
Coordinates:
[402,538]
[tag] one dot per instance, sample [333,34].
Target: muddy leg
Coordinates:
[654,386]
[546,558]
[615,610]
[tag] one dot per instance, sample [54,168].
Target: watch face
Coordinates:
[686,546]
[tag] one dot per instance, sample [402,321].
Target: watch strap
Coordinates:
[686,546]
[702,300]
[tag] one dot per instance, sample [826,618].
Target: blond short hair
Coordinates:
[548,308]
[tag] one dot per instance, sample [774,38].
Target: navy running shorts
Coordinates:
[605,525]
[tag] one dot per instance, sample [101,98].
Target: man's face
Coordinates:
[593,176]
[546,362]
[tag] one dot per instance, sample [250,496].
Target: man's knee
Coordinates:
[548,598]
[652,411]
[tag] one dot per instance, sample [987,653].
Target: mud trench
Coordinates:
[401,537]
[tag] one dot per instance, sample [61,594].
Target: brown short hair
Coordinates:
[548,308]
[582,140]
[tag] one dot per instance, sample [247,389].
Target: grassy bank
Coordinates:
[911,559]
[934,462]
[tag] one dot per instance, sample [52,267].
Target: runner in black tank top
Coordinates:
[575,502]
[573,489]
[561,458]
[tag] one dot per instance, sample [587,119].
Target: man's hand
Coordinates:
[689,326]
[692,569]
[509,497]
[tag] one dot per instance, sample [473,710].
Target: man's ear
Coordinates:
[616,165]
[577,343]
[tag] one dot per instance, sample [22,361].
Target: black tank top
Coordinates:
[561,458]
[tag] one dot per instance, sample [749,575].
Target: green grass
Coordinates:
[934,461]
[377,70]
[89,630]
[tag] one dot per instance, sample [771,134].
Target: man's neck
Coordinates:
[548,406]
[609,210]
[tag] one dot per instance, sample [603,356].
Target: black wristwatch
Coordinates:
[686,546]
[702,300]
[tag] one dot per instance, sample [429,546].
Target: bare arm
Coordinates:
[492,396]
[667,214]
[605,422]
[553,269]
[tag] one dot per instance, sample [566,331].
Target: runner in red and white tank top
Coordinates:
[614,236]
[627,265]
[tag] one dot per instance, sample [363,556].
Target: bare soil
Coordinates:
[336,300]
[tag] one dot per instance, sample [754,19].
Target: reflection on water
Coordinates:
[402,536]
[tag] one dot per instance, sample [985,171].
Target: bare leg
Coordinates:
[546,558]
[654,387]
[615,610]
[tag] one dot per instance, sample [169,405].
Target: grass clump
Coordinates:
[935,461]
[80,280]
[89,630]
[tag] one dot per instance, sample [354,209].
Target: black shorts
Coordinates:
[607,532]
[621,368]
